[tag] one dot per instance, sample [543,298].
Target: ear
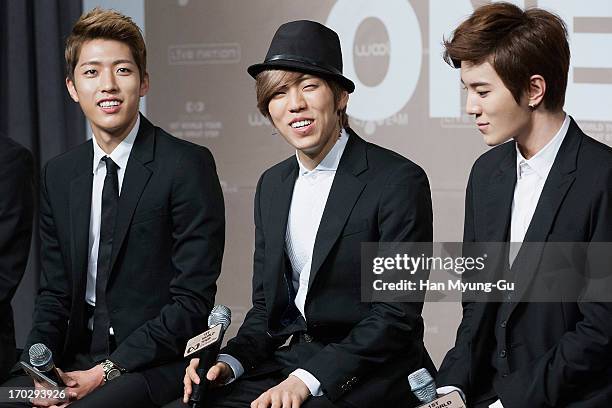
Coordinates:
[72,89]
[537,90]
[144,84]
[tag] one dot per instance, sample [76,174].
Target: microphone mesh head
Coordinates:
[422,385]
[40,355]
[220,314]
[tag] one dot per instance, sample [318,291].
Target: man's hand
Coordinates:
[86,381]
[291,393]
[218,374]
[53,403]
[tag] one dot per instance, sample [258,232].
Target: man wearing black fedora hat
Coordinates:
[312,212]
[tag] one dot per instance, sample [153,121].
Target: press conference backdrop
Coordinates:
[406,99]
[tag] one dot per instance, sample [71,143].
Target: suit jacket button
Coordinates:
[502,354]
[503,324]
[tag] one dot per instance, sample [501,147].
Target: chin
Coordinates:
[493,141]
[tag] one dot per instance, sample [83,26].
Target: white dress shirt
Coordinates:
[120,156]
[310,194]
[530,178]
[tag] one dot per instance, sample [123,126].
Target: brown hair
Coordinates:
[518,44]
[108,25]
[267,83]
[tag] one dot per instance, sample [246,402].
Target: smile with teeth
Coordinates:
[301,123]
[108,104]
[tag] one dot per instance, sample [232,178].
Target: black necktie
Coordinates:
[101,323]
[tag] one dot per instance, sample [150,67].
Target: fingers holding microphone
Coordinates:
[217,375]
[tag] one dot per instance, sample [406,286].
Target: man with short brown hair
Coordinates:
[132,234]
[550,183]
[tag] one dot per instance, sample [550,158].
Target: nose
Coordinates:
[472,107]
[108,82]
[297,103]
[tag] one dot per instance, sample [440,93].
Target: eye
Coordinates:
[124,70]
[310,86]
[277,94]
[482,94]
[90,72]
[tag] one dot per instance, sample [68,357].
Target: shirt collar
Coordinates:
[121,153]
[331,161]
[542,161]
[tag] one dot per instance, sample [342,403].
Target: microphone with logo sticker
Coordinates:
[423,387]
[207,346]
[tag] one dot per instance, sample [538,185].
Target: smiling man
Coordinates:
[549,183]
[312,212]
[132,234]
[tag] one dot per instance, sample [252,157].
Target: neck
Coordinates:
[541,130]
[311,159]
[109,140]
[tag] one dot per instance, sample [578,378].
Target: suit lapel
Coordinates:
[559,180]
[275,288]
[80,213]
[135,179]
[346,189]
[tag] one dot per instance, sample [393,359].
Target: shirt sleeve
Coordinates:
[310,380]
[234,364]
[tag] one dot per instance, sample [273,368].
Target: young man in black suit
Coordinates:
[132,233]
[550,183]
[16,210]
[312,212]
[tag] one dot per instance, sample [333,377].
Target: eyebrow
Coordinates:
[476,84]
[121,61]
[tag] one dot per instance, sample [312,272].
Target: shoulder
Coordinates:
[489,161]
[277,172]
[69,159]
[596,153]
[172,147]
[594,164]
[389,167]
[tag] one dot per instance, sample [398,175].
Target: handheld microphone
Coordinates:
[423,387]
[41,358]
[222,315]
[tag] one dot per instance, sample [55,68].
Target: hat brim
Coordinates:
[306,68]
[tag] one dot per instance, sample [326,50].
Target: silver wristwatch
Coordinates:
[111,371]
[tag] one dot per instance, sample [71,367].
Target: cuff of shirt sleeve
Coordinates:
[447,389]
[310,380]
[496,404]
[234,364]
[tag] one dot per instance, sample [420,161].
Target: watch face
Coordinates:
[112,374]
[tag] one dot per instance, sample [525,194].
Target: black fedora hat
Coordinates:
[305,46]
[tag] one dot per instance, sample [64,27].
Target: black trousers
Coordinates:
[270,373]
[130,390]
[242,392]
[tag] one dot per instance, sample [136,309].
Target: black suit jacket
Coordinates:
[558,354]
[362,351]
[166,257]
[16,208]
